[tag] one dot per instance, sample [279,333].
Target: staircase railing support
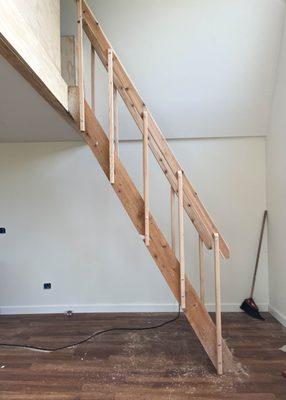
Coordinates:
[92,77]
[146,175]
[202,270]
[80,79]
[218,303]
[181,239]
[116,120]
[111,115]
[173,220]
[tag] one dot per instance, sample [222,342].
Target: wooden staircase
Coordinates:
[159,248]
[105,148]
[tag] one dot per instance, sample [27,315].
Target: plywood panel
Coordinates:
[26,38]
[43,17]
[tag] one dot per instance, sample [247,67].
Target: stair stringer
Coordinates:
[159,248]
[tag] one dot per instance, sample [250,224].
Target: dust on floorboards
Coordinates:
[166,363]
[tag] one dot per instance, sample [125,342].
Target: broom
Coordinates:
[249,305]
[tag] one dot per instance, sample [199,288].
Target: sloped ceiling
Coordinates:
[24,115]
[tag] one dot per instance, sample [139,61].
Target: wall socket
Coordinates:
[47,285]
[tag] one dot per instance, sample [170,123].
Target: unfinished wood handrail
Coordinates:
[80,63]
[158,144]
[111,115]
[146,176]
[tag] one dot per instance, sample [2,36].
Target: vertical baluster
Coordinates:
[218,303]
[202,270]
[111,115]
[146,174]
[116,121]
[92,78]
[80,79]
[181,239]
[173,220]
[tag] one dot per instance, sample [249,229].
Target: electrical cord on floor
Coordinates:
[50,350]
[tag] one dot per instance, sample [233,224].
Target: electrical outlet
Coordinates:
[2,231]
[47,285]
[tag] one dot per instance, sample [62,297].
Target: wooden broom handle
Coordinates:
[258,253]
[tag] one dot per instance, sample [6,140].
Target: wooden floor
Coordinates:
[167,363]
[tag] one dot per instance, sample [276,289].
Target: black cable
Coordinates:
[50,350]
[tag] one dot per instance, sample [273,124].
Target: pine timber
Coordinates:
[146,176]
[158,143]
[79,46]
[202,271]
[159,248]
[181,241]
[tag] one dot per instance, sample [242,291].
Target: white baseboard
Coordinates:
[235,307]
[278,315]
[112,308]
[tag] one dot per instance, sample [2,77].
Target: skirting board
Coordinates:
[111,308]
[277,315]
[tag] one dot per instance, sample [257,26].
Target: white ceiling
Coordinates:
[24,115]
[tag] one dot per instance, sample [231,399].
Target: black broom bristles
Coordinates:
[250,308]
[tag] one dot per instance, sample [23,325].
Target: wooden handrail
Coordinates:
[158,144]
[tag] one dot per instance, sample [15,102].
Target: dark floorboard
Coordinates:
[166,363]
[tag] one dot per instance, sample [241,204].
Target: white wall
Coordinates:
[204,67]
[66,226]
[276,194]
